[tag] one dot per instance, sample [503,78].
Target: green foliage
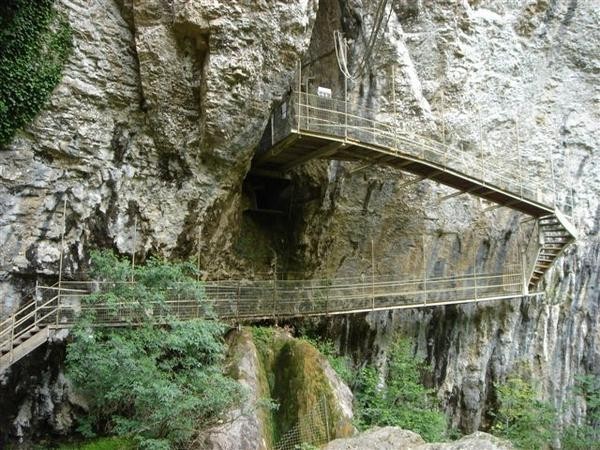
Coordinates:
[522,418]
[402,400]
[36,41]
[158,385]
[341,364]
[586,435]
[156,283]
[110,443]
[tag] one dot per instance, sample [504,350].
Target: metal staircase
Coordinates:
[555,233]
[36,322]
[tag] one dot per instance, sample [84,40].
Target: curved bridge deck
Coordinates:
[309,127]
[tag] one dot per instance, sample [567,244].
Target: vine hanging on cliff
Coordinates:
[35,42]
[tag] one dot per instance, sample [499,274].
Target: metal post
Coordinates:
[299,91]
[553,180]
[396,146]
[372,275]
[62,252]
[12,337]
[199,252]
[327,296]
[523,274]
[424,270]
[475,272]
[326,419]
[481,143]
[237,304]
[394,89]
[345,108]
[520,156]
[35,300]
[275,291]
[133,249]
[443,119]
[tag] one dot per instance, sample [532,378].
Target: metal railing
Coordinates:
[354,123]
[248,300]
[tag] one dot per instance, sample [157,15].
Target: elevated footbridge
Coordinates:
[309,127]
[59,306]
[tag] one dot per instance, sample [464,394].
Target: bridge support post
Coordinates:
[12,338]
[62,254]
[297,112]
[237,302]
[35,300]
[523,273]
[275,293]
[372,275]
[345,109]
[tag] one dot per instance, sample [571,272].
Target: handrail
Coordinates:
[341,118]
[249,300]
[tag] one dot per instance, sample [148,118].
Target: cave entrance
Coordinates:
[268,194]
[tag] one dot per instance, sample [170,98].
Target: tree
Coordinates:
[586,435]
[159,384]
[402,400]
[522,418]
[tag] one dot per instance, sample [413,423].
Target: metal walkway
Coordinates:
[307,127]
[57,308]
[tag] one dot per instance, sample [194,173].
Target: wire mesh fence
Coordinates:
[314,428]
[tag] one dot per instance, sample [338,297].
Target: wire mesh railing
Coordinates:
[123,303]
[352,122]
[313,428]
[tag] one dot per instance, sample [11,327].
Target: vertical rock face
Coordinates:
[471,69]
[152,130]
[153,124]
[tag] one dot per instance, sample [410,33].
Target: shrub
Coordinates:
[36,41]
[585,436]
[159,385]
[341,364]
[402,400]
[522,418]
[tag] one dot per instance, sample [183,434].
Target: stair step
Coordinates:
[550,227]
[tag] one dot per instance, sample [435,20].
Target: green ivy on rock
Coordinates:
[35,42]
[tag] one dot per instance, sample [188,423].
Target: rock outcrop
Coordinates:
[393,438]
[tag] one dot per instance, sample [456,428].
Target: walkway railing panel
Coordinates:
[348,121]
[247,300]
[254,299]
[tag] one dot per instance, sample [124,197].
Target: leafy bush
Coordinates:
[522,418]
[585,436]
[101,444]
[159,385]
[402,400]
[36,42]
[156,283]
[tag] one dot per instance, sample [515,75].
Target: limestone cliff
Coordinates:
[152,130]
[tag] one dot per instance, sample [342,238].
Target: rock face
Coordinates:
[151,133]
[284,364]
[244,428]
[393,438]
